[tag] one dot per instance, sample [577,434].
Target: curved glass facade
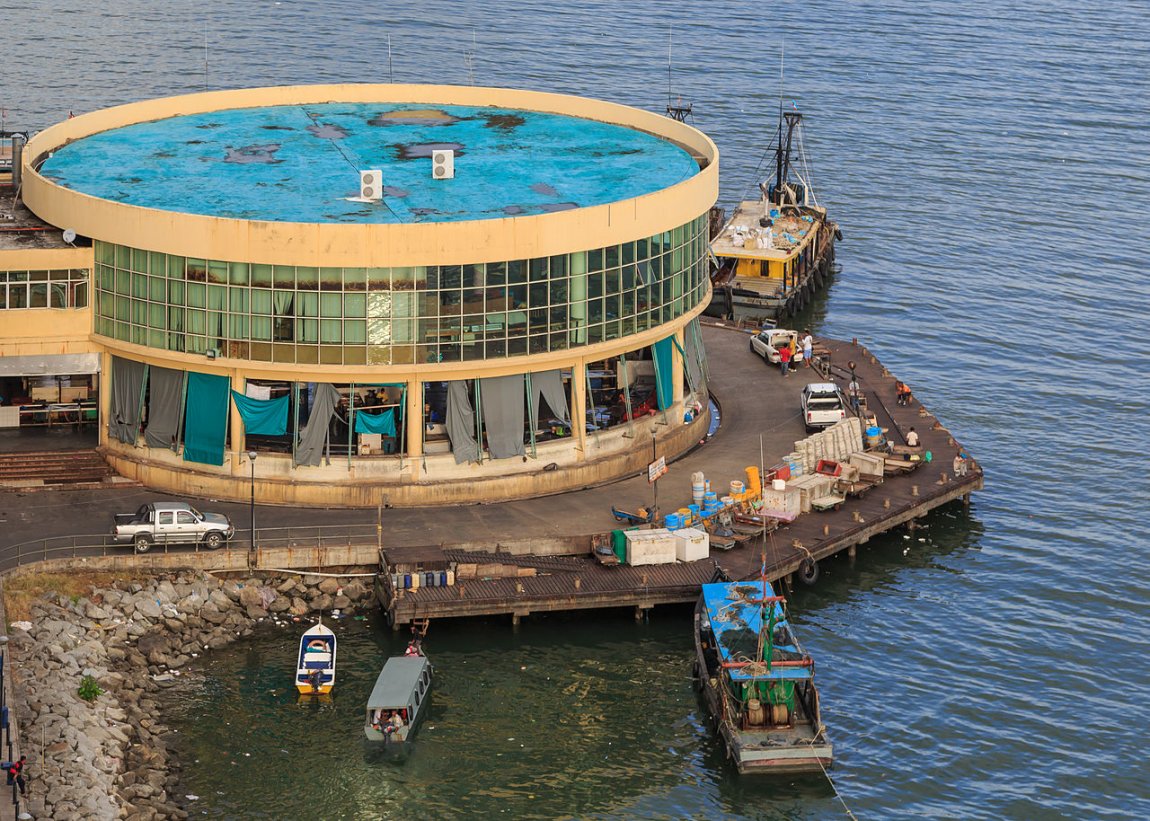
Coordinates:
[385,316]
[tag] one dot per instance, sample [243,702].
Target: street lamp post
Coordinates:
[252,460]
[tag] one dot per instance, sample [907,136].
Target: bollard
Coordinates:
[886,503]
[795,543]
[914,490]
[826,530]
[943,478]
[578,583]
[518,587]
[856,516]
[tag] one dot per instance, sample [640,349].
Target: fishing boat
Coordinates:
[757,682]
[315,668]
[776,253]
[399,699]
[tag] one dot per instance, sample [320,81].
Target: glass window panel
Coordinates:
[261,301]
[284,276]
[105,253]
[355,305]
[157,314]
[197,270]
[451,276]
[559,267]
[197,294]
[354,279]
[122,307]
[595,259]
[331,305]
[355,331]
[123,282]
[139,259]
[80,295]
[238,300]
[177,267]
[331,279]
[58,295]
[306,278]
[330,331]
[538,267]
[238,273]
[262,329]
[308,330]
[217,272]
[158,264]
[157,289]
[516,297]
[237,326]
[378,278]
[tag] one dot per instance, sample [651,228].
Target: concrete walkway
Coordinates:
[758,404]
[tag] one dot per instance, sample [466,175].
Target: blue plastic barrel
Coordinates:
[443,578]
[406,581]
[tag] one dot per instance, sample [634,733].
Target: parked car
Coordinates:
[823,405]
[766,343]
[171,523]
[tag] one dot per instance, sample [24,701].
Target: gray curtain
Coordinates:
[165,406]
[461,423]
[314,434]
[549,385]
[696,358]
[127,399]
[504,415]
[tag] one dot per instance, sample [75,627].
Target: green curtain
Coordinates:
[383,423]
[206,419]
[664,383]
[262,416]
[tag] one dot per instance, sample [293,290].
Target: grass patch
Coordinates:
[21,591]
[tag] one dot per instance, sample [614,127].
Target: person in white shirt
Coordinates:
[912,438]
[808,344]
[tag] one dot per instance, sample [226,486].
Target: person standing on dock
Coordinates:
[785,359]
[808,347]
[854,392]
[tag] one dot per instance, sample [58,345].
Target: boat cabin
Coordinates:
[398,699]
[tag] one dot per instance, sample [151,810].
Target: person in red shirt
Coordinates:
[16,773]
[785,359]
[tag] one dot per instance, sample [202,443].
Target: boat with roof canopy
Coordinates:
[757,681]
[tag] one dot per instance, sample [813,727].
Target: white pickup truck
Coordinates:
[171,523]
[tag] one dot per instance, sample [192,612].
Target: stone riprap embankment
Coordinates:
[112,758]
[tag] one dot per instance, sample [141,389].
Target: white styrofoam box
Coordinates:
[692,544]
[782,501]
[650,546]
[10,417]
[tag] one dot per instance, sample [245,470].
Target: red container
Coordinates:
[828,467]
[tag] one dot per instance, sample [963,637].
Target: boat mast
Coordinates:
[675,112]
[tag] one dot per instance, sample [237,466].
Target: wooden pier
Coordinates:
[758,404]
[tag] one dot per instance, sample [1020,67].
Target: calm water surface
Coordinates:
[988,165]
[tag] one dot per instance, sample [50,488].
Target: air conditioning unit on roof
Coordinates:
[371,184]
[442,164]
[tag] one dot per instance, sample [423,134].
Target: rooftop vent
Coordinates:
[442,164]
[371,184]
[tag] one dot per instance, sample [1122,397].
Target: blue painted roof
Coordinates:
[736,617]
[301,163]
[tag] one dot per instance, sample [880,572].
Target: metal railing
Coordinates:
[102,544]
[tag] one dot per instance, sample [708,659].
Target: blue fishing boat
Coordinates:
[757,682]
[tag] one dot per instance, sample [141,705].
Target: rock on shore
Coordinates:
[112,758]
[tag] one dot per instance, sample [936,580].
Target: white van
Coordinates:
[823,405]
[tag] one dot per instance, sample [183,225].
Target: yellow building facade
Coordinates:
[418,359]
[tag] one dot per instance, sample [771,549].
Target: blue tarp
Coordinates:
[206,419]
[735,612]
[376,422]
[664,373]
[267,417]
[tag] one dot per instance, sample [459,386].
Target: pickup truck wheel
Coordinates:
[213,541]
[143,543]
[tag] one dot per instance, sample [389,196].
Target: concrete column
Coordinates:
[677,365]
[577,296]
[237,435]
[105,397]
[413,422]
[579,405]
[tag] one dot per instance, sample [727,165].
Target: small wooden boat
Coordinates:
[757,682]
[315,668]
[399,699]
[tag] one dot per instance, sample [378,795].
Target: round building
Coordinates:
[388,294]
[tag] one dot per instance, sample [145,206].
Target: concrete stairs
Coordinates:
[56,469]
